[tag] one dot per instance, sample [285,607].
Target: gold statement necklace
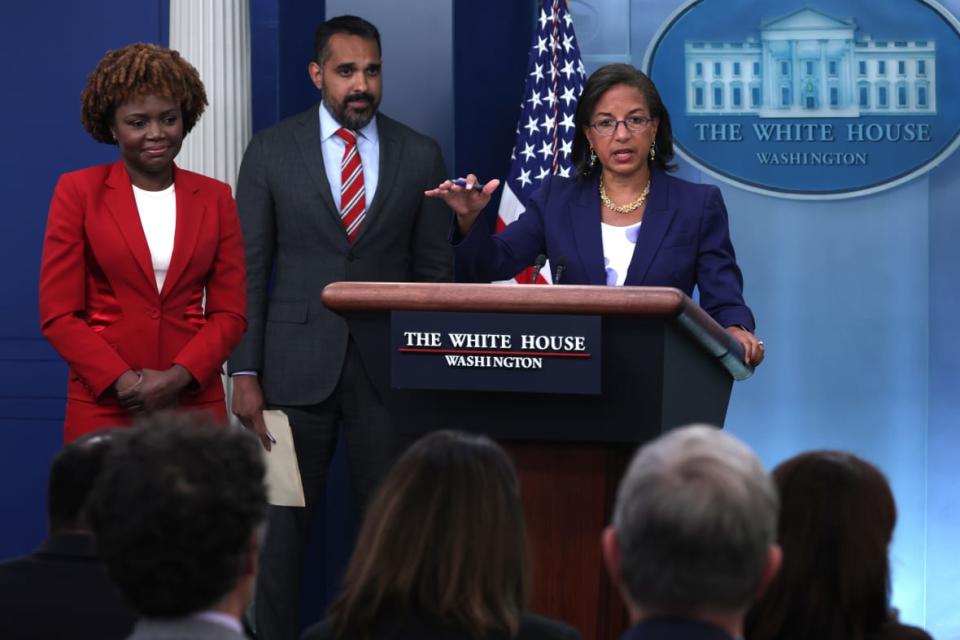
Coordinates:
[627,208]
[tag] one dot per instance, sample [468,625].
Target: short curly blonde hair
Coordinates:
[134,71]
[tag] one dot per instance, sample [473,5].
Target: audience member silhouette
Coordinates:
[62,590]
[836,524]
[441,552]
[177,516]
[693,539]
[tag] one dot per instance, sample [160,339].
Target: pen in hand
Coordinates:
[462,182]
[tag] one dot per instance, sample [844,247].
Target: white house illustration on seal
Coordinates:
[808,64]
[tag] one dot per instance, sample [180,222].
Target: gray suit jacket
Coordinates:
[182,629]
[296,245]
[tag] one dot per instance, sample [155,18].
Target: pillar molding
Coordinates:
[214,36]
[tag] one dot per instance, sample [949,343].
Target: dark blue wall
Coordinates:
[943,499]
[45,57]
[281,49]
[490,52]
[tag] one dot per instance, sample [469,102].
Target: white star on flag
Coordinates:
[542,45]
[524,178]
[554,81]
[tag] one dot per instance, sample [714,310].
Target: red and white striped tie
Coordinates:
[353,202]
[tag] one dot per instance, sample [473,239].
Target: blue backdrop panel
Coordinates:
[490,54]
[45,57]
[833,286]
[417,63]
[281,36]
[943,426]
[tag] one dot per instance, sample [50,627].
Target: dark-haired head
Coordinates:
[601,81]
[444,538]
[176,511]
[133,72]
[347,25]
[836,523]
[73,473]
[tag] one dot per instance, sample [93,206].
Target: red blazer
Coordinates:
[99,304]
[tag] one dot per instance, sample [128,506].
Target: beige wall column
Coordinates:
[214,35]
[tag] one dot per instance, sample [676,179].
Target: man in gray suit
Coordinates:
[334,193]
[177,513]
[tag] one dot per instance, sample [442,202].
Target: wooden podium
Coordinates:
[664,361]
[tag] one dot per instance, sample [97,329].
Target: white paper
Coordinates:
[284,486]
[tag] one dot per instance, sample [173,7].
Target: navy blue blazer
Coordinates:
[62,590]
[684,241]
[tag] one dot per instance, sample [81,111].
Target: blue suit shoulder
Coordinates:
[557,187]
[696,191]
[560,184]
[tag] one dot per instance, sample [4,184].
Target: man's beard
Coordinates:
[346,116]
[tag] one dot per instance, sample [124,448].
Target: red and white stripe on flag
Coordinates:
[554,81]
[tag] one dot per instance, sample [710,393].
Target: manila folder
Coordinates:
[284,486]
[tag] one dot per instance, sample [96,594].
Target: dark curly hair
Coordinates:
[175,509]
[138,70]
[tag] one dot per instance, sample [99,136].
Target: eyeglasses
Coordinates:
[608,126]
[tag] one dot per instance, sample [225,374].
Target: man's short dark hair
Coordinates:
[174,512]
[349,25]
[73,473]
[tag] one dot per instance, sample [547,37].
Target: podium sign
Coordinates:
[495,352]
[569,422]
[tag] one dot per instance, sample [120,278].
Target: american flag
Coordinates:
[555,77]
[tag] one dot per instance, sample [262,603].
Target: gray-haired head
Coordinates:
[695,518]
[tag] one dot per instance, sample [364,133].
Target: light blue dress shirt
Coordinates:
[332,146]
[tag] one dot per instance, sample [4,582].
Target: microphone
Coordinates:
[537,266]
[561,263]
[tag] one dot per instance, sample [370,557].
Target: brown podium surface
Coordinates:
[664,363]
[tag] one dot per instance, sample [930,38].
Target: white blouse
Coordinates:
[618,246]
[158,216]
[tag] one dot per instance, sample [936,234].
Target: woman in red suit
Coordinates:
[142,283]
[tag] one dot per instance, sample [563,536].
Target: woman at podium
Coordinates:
[142,281]
[621,220]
